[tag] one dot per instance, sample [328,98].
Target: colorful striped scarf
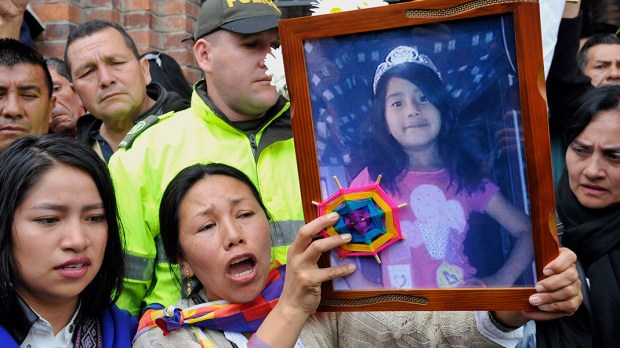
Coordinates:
[219,315]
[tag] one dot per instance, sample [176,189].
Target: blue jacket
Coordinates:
[118,328]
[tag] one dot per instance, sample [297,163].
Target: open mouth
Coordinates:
[241,267]
[72,267]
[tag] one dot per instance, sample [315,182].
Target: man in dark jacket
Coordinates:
[114,85]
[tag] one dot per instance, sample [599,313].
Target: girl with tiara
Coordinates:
[415,147]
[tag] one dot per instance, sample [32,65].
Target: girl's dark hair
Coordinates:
[594,100]
[171,200]
[385,155]
[22,165]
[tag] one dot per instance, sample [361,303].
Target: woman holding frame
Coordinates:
[216,228]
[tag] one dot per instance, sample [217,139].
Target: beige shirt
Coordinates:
[361,329]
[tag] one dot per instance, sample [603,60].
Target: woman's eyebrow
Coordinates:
[61,207]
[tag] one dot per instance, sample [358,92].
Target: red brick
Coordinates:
[97,3]
[184,57]
[54,31]
[173,40]
[142,37]
[173,23]
[52,13]
[137,19]
[51,48]
[154,39]
[190,8]
[102,13]
[172,7]
[136,5]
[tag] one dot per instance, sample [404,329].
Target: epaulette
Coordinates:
[140,127]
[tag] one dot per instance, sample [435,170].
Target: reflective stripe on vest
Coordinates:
[161,252]
[139,268]
[283,232]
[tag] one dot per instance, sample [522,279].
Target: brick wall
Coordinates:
[154,25]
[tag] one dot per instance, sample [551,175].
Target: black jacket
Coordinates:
[565,82]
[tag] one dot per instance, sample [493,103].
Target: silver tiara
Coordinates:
[400,55]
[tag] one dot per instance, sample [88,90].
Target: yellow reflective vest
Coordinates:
[159,147]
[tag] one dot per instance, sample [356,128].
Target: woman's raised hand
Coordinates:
[302,286]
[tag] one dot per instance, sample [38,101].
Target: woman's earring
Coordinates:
[188,285]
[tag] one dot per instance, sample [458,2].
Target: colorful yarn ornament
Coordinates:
[368,214]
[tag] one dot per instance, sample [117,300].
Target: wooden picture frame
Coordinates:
[487,54]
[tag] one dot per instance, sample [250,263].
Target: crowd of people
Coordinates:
[126,199]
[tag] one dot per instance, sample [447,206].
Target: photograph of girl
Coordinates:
[437,147]
[441,183]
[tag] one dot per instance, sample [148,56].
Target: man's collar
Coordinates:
[201,90]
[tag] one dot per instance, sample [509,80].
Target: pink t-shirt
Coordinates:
[434,223]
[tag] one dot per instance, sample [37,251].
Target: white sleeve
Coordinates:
[550,17]
[488,330]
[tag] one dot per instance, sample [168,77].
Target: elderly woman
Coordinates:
[587,201]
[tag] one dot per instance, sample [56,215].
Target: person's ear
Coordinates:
[186,269]
[146,70]
[52,104]
[202,52]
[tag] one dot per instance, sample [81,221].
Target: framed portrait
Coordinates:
[440,105]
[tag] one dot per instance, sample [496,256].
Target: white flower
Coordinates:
[275,69]
[274,60]
[371,3]
[332,6]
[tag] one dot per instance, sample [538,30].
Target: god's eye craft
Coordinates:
[368,214]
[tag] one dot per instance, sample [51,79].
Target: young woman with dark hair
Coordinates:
[61,257]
